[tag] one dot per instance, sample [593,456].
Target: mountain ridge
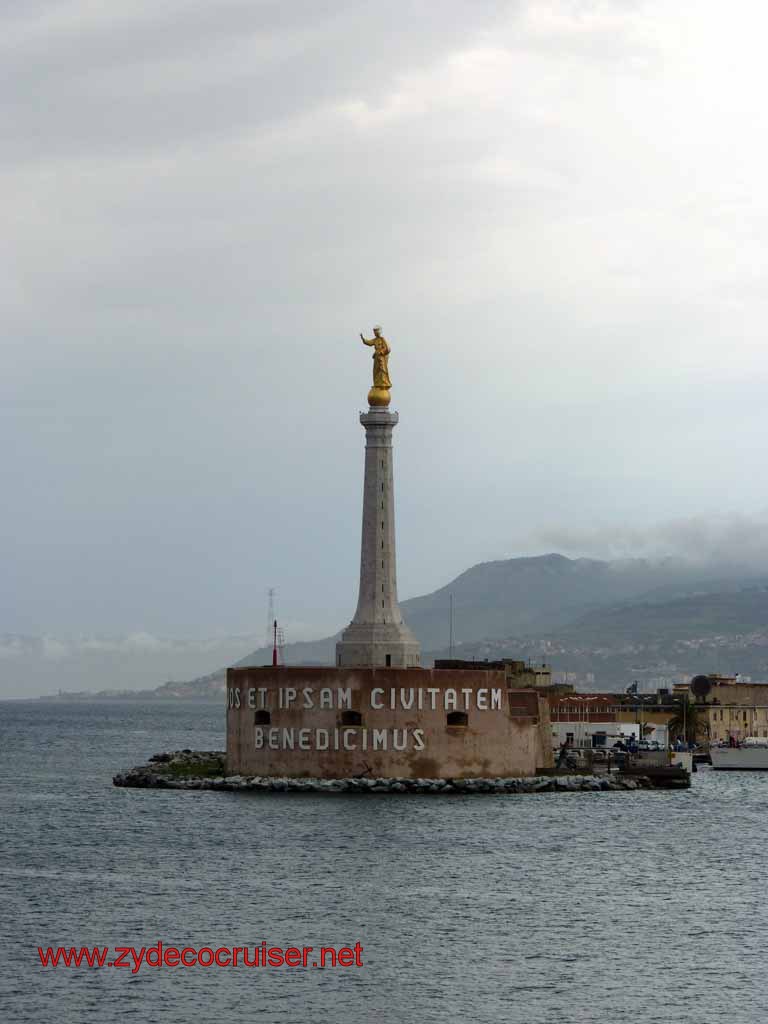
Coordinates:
[549,607]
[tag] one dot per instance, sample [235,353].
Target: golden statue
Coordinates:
[379,393]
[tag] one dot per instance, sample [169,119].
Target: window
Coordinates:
[457,718]
[389,661]
[262,718]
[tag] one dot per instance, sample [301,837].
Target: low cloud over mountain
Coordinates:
[733,540]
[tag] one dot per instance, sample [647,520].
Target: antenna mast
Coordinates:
[268,637]
[278,645]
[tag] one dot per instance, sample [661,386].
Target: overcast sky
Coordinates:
[557,210]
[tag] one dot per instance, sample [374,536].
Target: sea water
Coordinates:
[558,907]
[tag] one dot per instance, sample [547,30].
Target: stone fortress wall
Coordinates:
[333,723]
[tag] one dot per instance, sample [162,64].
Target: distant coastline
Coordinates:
[103,696]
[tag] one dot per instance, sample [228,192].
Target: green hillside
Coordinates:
[613,620]
[730,613]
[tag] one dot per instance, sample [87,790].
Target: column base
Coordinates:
[378,645]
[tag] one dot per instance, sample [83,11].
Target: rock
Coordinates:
[205,770]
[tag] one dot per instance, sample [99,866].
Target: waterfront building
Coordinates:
[600,719]
[728,707]
[737,721]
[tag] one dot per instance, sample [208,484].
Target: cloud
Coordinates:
[11,647]
[53,649]
[142,644]
[204,203]
[731,539]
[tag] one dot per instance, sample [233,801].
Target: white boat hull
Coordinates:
[739,759]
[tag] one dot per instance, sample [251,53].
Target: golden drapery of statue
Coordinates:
[379,393]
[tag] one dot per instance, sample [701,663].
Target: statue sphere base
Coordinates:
[379,397]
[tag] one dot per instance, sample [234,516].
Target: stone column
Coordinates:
[377,636]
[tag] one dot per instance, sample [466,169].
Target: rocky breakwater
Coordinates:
[190,769]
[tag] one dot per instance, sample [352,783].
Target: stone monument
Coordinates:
[377,637]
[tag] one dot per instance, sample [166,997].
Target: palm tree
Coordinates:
[689,722]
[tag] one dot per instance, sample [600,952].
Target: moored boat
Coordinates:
[750,755]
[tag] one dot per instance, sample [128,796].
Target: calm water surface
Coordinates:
[550,908]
